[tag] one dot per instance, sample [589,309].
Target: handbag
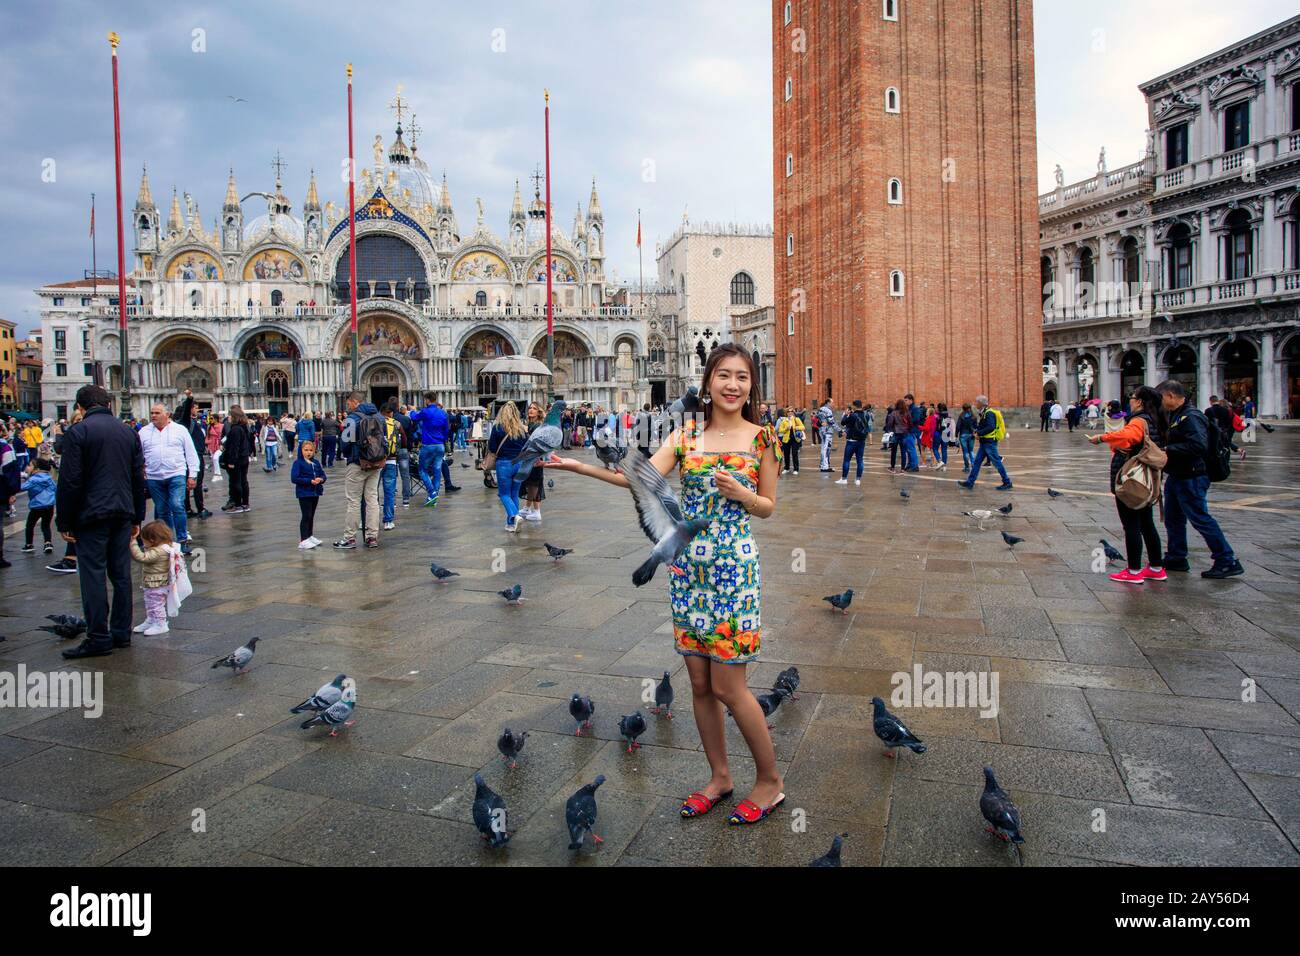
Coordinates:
[488,462]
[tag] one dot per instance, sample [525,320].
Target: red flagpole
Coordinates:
[352,234]
[125,410]
[550,308]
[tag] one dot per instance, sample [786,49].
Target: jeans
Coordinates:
[271,451]
[911,462]
[431,467]
[988,452]
[169,503]
[102,556]
[1184,502]
[853,448]
[967,442]
[827,435]
[389,477]
[404,470]
[940,449]
[508,488]
[329,448]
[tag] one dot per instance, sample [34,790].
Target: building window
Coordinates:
[88,370]
[58,300]
[891,100]
[480,299]
[1176,146]
[1045,274]
[60,369]
[1236,126]
[889,9]
[896,192]
[789,87]
[788,14]
[742,289]
[1293,231]
[277,384]
[61,411]
[196,299]
[85,340]
[1180,257]
[1087,276]
[789,323]
[807,375]
[1132,265]
[1295,106]
[1239,246]
[60,340]
[85,301]
[789,164]
[896,282]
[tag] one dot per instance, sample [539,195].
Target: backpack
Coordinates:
[856,427]
[1000,432]
[393,432]
[1218,453]
[372,442]
[1137,483]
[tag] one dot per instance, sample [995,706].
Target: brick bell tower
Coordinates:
[905,201]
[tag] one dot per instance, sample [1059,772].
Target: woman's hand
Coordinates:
[730,486]
[563,464]
[1094,439]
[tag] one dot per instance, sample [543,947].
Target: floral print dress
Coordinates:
[714,587]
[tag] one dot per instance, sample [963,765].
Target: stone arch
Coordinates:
[383,332]
[486,327]
[577,333]
[1220,349]
[243,339]
[248,262]
[638,346]
[338,245]
[412,315]
[538,264]
[175,330]
[508,275]
[173,268]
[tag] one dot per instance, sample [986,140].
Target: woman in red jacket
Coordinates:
[1146,416]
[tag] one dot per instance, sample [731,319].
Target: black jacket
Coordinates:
[1186,442]
[238,447]
[1221,417]
[101,476]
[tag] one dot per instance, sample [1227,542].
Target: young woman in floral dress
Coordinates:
[729,466]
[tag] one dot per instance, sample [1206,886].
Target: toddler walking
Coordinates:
[152,547]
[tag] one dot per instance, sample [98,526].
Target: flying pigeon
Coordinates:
[441,573]
[841,601]
[832,856]
[1052,493]
[788,682]
[1011,539]
[1112,553]
[608,449]
[557,553]
[768,703]
[660,516]
[687,404]
[513,595]
[663,697]
[1000,811]
[631,726]
[547,437]
[510,743]
[580,814]
[489,813]
[1006,509]
[581,708]
[891,730]
[323,699]
[237,99]
[904,493]
[239,659]
[336,715]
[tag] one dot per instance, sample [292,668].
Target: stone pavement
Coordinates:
[1121,730]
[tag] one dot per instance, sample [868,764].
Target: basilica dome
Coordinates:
[287,227]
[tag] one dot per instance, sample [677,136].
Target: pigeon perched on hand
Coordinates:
[787,682]
[891,730]
[323,699]
[1006,509]
[1112,553]
[238,659]
[513,595]
[489,813]
[557,553]
[441,573]
[841,601]
[542,443]
[660,515]
[631,726]
[664,697]
[832,856]
[1052,493]
[580,709]
[580,814]
[510,743]
[1000,811]
[1011,539]
[336,715]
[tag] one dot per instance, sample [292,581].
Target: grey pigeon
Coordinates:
[580,709]
[489,813]
[891,730]
[239,659]
[663,697]
[1011,539]
[513,595]
[1000,811]
[324,698]
[1006,509]
[557,553]
[1052,493]
[544,440]
[441,573]
[1112,553]
[336,715]
[510,743]
[904,493]
[841,602]
[832,856]
[464,464]
[580,814]
[768,703]
[550,482]
[77,624]
[660,515]
[687,404]
[631,726]
[65,631]
[607,446]
[788,682]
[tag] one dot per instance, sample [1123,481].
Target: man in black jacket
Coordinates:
[184,416]
[99,504]
[1186,486]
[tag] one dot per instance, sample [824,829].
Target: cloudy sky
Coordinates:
[666,104]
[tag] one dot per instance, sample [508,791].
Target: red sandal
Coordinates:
[747,811]
[699,803]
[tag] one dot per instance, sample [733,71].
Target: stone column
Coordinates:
[1268,378]
[1151,375]
[1268,253]
[1207,248]
[1204,373]
[1109,383]
[1065,385]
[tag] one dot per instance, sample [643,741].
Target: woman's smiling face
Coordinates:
[730,384]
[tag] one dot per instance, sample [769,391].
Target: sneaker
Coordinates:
[28,549]
[533,516]
[158,628]
[372,542]
[796,471]
[1224,570]
[1177,564]
[205,514]
[49,548]
[304,544]
[1155,574]
[5,564]
[406,504]
[139,628]
[858,482]
[432,502]
[1128,577]
[1005,486]
[389,526]
[966,484]
[185,547]
[315,541]
[346,544]
[842,481]
[66,566]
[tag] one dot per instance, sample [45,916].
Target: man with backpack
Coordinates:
[1197,456]
[855,441]
[990,429]
[365,449]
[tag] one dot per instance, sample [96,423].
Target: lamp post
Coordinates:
[125,409]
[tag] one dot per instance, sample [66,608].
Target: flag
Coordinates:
[92,218]
[638,228]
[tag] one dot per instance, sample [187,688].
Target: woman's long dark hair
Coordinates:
[1153,406]
[749,411]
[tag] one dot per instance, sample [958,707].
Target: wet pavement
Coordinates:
[1121,729]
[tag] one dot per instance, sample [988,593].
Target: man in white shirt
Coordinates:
[1057,414]
[169,458]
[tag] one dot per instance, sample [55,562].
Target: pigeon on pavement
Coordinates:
[1112,553]
[1052,493]
[68,620]
[557,553]
[892,731]
[324,698]
[788,682]
[1000,811]
[663,697]
[660,515]
[336,715]
[832,856]
[65,631]
[1006,509]
[631,726]
[239,658]
[489,813]
[510,743]
[904,493]
[580,814]
[1011,539]
[841,601]
[550,482]
[580,709]
[768,703]
[441,573]
[513,595]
